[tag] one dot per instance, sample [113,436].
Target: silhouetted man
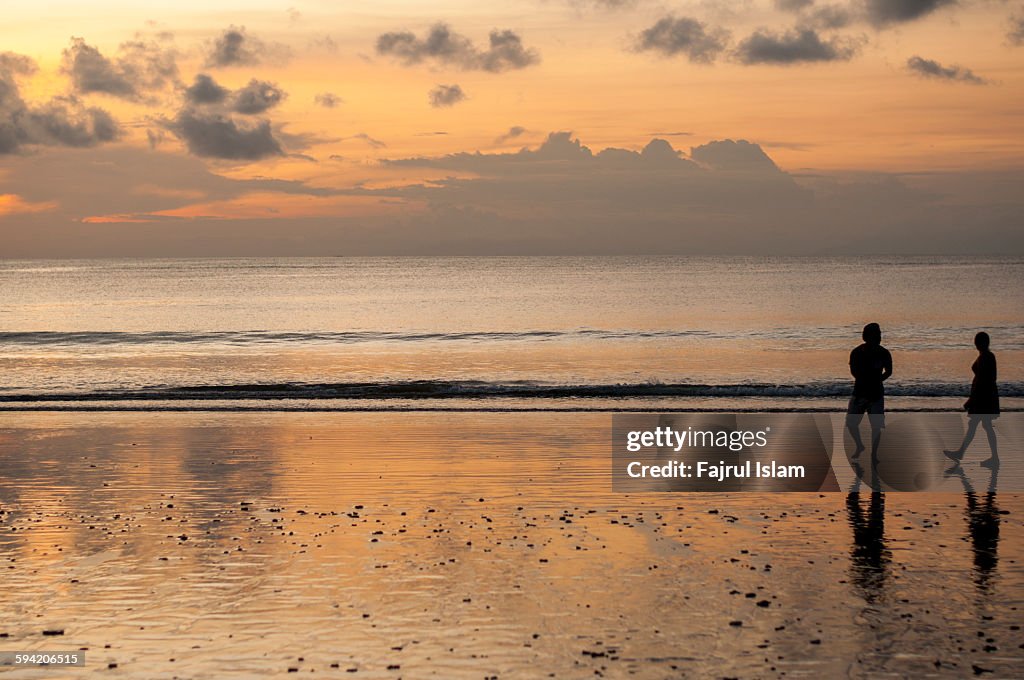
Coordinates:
[870,365]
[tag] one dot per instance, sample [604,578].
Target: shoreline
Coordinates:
[30,407]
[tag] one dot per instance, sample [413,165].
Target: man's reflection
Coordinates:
[869,556]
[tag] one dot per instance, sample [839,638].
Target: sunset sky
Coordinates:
[326,128]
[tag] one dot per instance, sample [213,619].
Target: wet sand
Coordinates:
[456,545]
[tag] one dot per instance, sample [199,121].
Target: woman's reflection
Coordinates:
[982,515]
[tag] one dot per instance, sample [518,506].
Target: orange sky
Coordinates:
[863,111]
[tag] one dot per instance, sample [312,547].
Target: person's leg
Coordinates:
[876,416]
[991,432]
[972,427]
[853,426]
[876,439]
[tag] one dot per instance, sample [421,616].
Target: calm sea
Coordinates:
[480,333]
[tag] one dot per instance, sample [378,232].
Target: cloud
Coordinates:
[126,184]
[256,97]
[325,44]
[446,95]
[1015,34]
[562,196]
[800,45]
[671,36]
[139,68]
[929,68]
[739,155]
[374,143]
[11,204]
[793,5]
[558,197]
[205,90]
[887,12]
[328,100]
[155,137]
[215,135]
[12,65]
[513,132]
[235,47]
[604,4]
[727,197]
[63,121]
[830,17]
[444,46]
[559,151]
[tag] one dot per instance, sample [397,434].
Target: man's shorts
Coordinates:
[875,408]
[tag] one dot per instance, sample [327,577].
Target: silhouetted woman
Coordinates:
[983,404]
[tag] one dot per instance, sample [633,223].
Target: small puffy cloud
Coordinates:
[63,121]
[513,132]
[256,97]
[328,100]
[1015,34]
[888,12]
[140,67]
[446,95]
[671,36]
[235,47]
[205,90]
[505,51]
[928,68]
[800,45]
[216,135]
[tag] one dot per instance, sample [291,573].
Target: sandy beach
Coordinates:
[454,545]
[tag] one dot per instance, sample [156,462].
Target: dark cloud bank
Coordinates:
[560,197]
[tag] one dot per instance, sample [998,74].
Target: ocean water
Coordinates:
[575,333]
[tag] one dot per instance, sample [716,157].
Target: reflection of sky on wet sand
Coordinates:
[463,545]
